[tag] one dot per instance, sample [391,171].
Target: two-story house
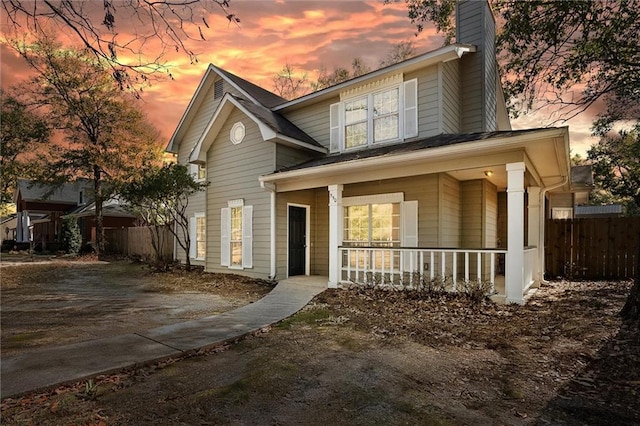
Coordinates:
[410,170]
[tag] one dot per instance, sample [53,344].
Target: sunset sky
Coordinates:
[305,34]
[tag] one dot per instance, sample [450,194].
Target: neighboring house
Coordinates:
[564,204]
[8,226]
[114,215]
[413,168]
[41,208]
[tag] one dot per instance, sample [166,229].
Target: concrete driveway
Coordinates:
[48,303]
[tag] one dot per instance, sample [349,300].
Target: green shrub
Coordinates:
[71,236]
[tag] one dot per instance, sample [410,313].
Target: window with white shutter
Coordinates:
[236,235]
[365,117]
[411,108]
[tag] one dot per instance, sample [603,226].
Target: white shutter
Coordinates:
[225,236]
[193,170]
[334,125]
[192,237]
[410,234]
[411,108]
[247,237]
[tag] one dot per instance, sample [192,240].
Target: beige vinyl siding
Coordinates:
[302,198]
[479,214]
[501,233]
[233,171]
[289,156]
[471,194]
[475,25]
[451,97]
[449,211]
[491,75]
[479,219]
[423,188]
[314,120]
[428,100]
[320,249]
[203,114]
[200,120]
[490,237]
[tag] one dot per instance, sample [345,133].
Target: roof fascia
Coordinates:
[291,141]
[205,84]
[444,54]
[223,75]
[199,153]
[462,149]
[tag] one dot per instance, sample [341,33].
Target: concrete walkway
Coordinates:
[53,366]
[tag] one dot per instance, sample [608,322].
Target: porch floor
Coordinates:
[318,281]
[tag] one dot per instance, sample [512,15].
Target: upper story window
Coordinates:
[377,113]
[198,171]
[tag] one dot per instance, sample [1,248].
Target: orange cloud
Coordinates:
[306,34]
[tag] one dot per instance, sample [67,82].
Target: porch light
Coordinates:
[488,173]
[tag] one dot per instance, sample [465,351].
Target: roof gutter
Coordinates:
[272,227]
[456,149]
[543,193]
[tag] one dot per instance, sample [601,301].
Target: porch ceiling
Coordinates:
[545,153]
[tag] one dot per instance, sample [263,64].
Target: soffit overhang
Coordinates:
[545,153]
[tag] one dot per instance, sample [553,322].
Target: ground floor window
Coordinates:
[372,225]
[198,236]
[236,235]
[201,237]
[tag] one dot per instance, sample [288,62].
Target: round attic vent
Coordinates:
[237,133]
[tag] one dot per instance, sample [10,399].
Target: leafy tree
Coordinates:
[22,132]
[71,236]
[616,165]
[106,136]
[161,198]
[549,48]
[568,55]
[98,27]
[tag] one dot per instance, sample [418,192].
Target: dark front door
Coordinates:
[297,240]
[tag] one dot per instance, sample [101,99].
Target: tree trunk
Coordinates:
[631,309]
[97,186]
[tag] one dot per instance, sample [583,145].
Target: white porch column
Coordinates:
[533,238]
[22,227]
[515,231]
[335,233]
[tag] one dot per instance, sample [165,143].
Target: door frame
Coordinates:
[307,242]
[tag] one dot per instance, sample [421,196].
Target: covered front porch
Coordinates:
[433,218]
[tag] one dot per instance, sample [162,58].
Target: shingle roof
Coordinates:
[112,207]
[277,122]
[265,97]
[67,193]
[405,147]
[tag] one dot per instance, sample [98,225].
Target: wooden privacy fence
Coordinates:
[136,241]
[594,248]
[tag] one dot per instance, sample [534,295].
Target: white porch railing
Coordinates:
[530,267]
[409,266]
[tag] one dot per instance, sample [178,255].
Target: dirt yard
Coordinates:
[364,356]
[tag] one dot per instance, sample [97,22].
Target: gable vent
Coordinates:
[218,89]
